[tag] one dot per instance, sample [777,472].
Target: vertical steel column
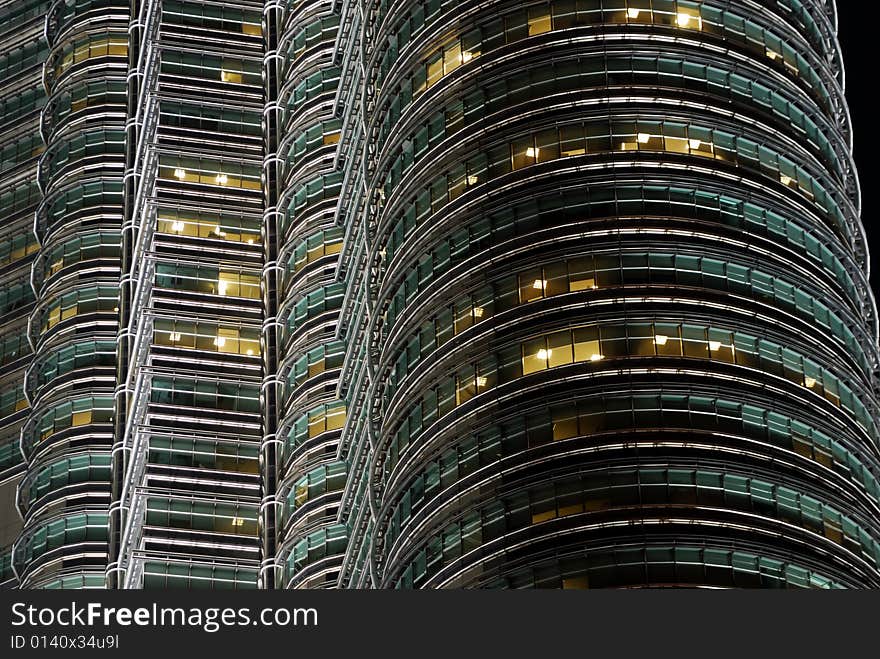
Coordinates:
[270,453]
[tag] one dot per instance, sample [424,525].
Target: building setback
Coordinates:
[402,294]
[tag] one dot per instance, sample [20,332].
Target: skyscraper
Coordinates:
[432,294]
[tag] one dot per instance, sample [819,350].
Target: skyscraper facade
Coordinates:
[433,294]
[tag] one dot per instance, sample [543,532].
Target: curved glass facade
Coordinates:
[308,286]
[67,437]
[620,329]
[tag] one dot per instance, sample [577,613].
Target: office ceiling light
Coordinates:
[644,138]
[596,357]
[177,226]
[220,341]
[661,340]
[532,152]
[466,56]
[544,354]
[180,173]
[472,179]
[478,312]
[683,20]
[695,144]
[714,345]
[222,179]
[809,382]
[632,12]
[174,336]
[540,284]
[481,380]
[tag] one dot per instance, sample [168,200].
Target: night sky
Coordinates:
[858,38]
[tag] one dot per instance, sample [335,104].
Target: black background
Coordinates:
[861,52]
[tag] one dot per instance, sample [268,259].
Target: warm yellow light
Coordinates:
[237,521]
[596,357]
[250,352]
[695,144]
[221,287]
[174,336]
[473,179]
[786,180]
[177,226]
[220,341]
[661,340]
[466,56]
[714,345]
[540,284]
[180,173]
[222,179]
[481,380]
[632,12]
[810,382]
[532,152]
[478,312]
[250,241]
[544,354]
[683,20]
[644,138]
[772,54]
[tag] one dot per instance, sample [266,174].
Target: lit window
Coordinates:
[222,179]
[539,24]
[809,382]
[478,312]
[695,144]
[472,179]
[544,354]
[596,357]
[180,173]
[81,418]
[661,340]
[644,138]
[714,346]
[466,56]
[532,152]
[174,337]
[632,12]
[237,521]
[177,226]
[581,283]
[540,284]
[220,341]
